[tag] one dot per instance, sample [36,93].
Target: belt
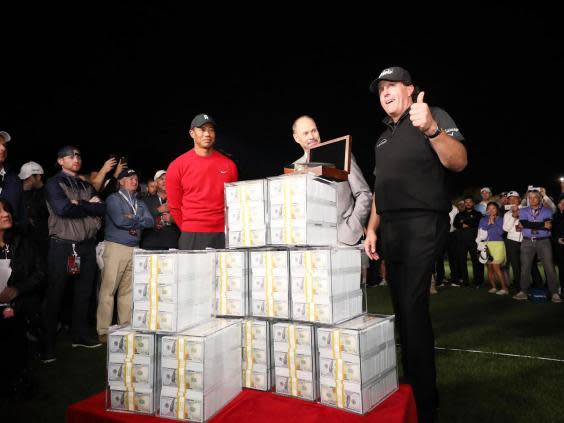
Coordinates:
[536,238]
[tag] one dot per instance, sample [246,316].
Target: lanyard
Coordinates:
[130,201]
[161,200]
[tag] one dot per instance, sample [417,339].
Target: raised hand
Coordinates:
[421,116]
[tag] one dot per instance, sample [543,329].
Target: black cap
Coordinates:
[125,173]
[394,73]
[201,119]
[67,150]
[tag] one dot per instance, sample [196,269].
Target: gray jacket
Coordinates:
[68,221]
[354,200]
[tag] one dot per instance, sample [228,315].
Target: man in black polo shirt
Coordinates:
[410,205]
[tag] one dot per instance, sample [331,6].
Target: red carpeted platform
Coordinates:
[256,406]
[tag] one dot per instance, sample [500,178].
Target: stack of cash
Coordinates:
[131,370]
[325,284]
[257,359]
[295,364]
[172,289]
[269,283]
[302,210]
[357,363]
[245,214]
[200,370]
[231,280]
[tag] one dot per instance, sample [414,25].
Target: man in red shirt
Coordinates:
[195,187]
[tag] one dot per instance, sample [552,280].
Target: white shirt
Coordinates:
[509,223]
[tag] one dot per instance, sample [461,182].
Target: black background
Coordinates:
[127,78]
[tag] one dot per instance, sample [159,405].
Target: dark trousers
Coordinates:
[59,251]
[411,242]
[467,245]
[559,259]
[452,245]
[201,240]
[513,249]
[13,353]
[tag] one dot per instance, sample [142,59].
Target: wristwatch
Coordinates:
[436,133]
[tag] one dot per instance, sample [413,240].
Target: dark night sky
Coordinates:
[129,78]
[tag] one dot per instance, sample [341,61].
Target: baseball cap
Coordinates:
[394,73]
[125,173]
[513,194]
[159,174]
[30,168]
[67,150]
[201,119]
[486,189]
[5,135]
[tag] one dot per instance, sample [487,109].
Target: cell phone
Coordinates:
[123,159]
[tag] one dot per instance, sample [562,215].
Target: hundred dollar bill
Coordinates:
[164,264]
[192,408]
[352,400]
[305,389]
[292,235]
[279,283]
[348,342]
[140,292]
[282,385]
[141,402]
[303,334]
[257,356]
[236,194]
[292,211]
[319,285]
[318,259]
[278,259]
[232,307]
[280,309]
[192,380]
[231,260]
[233,283]
[294,188]
[351,371]
[258,331]
[253,214]
[250,238]
[193,351]
[257,381]
[165,321]
[303,362]
[143,344]
[258,308]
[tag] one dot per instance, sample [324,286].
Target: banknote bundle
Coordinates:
[131,369]
[269,283]
[245,214]
[357,363]
[302,210]
[257,361]
[231,282]
[172,289]
[326,284]
[200,370]
[295,363]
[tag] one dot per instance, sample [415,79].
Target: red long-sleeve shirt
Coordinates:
[194,186]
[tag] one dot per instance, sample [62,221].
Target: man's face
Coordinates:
[513,200]
[395,98]
[204,136]
[37,181]
[534,198]
[152,187]
[305,133]
[161,180]
[486,195]
[460,206]
[71,163]
[561,206]
[468,203]
[129,183]
[3,150]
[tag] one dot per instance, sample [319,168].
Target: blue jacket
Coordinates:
[120,226]
[12,192]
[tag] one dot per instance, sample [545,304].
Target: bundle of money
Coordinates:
[257,362]
[245,209]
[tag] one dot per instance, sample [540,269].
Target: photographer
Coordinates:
[108,186]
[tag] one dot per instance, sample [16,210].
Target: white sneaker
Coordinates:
[520,296]
[555,298]
[383,283]
[502,292]
[493,291]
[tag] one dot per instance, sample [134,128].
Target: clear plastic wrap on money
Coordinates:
[326,284]
[302,210]
[172,290]
[269,283]
[131,369]
[257,364]
[357,363]
[295,360]
[245,214]
[200,370]
[231,283]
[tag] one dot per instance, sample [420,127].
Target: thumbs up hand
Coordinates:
[421,116]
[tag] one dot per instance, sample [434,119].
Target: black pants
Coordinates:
[13,353]
[59,251]
[452,245]
[201,240]
[467,245]
[411,242]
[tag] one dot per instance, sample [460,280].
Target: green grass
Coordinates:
[473,387]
